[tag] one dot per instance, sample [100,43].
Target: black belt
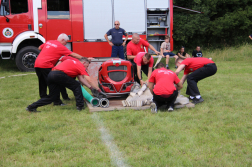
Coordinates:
[209,64]
[118,44]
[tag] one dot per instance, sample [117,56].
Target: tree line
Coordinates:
[223,23]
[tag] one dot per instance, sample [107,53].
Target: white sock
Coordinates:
[191,97]
[198,97]
[167,65]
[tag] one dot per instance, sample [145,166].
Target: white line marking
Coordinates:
[16,75]
[115,155]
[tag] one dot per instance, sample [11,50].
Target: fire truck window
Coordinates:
[19,6]
[4,9]
[58,9]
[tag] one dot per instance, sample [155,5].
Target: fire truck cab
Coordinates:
[26,24]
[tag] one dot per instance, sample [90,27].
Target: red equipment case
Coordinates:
[116,77]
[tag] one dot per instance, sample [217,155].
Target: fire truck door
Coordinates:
[14,19]
[58,19]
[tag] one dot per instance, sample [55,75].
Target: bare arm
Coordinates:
[179,85]
[106,37]
[58,63]
[181,56]
[151,85]
[139,75]
[183,79]
[152,48]
[126,38]
[83,81]
[75,55]
[130,57]
[180,68]
[149,73]
[90,82]
[250,37]
[162,52]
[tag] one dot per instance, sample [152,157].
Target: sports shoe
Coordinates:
[170,109]
[196,101]
[167,68]
[62,104]
[31,109]
[79,108]
[153,107]
[176,66]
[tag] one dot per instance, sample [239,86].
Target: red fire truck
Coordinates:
[26,24]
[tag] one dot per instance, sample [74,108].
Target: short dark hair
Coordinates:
[160,65]
[148,56]
[167,37]
[84,59]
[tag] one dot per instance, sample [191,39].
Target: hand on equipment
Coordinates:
[98,93]
[142,82]
[94,92]
[101,94]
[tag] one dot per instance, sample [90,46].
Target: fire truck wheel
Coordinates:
[26,57]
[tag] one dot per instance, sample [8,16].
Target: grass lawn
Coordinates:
[216,132]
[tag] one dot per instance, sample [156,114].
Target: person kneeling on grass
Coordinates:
[164,92]
[200,68]
[63,75]
[165,50]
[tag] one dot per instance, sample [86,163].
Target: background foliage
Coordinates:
[223,23]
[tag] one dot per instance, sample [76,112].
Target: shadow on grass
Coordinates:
[8,66]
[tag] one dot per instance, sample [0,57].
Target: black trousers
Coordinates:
[169,102]
[55,80]
[199,74]
[42,74]
[144,68]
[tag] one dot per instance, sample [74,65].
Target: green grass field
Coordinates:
[216,132]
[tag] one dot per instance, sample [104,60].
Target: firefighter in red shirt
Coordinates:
[200,68]
[51,51]
[142,62]
[164,92]
[137,45]
[63,75]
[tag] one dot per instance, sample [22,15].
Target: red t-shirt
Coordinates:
[50,54]
[134,49]
[139,59]
[71,68]
[164,80]
[192,64]
[68,57]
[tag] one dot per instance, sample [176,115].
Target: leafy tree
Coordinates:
[224,22]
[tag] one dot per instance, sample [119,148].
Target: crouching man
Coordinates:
[199,68]
[142,62]
[63,75]
[164,92]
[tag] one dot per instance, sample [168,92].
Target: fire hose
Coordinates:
[95,102]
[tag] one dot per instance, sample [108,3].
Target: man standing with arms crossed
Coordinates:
[117,42]
[164,92]
[200,68]
[50,53]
